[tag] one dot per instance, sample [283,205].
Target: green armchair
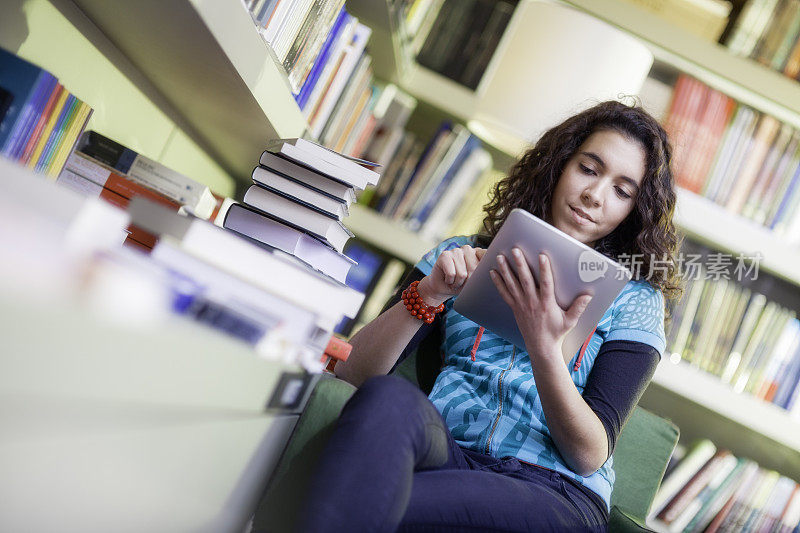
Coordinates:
[640,458]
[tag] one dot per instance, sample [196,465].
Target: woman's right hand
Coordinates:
[451,271]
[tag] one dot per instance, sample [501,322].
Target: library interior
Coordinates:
[218,206]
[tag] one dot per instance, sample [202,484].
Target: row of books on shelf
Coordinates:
[321,47]
[736,334]
[464,37]
[425,184]
[414,19]
[285,239]
[709,489]
[747,161]
[768,31]
[40,119]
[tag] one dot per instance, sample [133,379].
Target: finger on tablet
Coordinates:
[524,273]
[501,287]
[448,268]
[480,252]
[509,278]
[470,258]
[460,265]
[545,277]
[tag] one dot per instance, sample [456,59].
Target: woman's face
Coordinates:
[598,186]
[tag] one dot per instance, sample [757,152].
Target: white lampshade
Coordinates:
[555,62]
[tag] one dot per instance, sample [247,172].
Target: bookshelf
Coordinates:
[696,216]
[387,235]
[706,390]
[184,45]
[704,407]
[210,63]
[741,78]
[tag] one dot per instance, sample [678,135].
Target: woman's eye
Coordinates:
[586,170]
[622,192]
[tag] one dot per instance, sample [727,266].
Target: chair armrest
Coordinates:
[279,508]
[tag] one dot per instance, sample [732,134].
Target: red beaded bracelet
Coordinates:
[417,307]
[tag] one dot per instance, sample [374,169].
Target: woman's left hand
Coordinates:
[542,322]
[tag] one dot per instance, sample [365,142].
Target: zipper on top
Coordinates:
[500,400]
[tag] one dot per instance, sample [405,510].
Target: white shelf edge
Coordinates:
[212,66]
[743,79]
[698,217]
[711,223]
[387,235]
[708,391]
[237,35]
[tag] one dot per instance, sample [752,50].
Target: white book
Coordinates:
[276,272]
[694,461]
[317,222]
[278,21]
[351,56]
[478,162]
[728,464]
[791,513]
[290,239]
[303,157]
[152,174]
[297,323]
[223,210]
[297,189]
[306,175]
[314,152]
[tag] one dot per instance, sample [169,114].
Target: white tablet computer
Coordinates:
[577,269]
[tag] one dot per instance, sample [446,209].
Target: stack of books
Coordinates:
[744,160]
[736,334]
[768,31]
[712,490]
[300,195]
[101,167]
[40,120]
[425,184]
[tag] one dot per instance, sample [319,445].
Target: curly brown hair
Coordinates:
[648,230]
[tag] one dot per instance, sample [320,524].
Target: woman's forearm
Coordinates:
[377,345]
[575,429]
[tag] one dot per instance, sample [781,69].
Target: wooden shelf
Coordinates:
[209,61]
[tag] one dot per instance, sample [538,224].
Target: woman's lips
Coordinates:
[579,217]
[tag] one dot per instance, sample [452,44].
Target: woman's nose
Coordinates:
[593,194]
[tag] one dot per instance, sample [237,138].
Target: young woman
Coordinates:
[513,440]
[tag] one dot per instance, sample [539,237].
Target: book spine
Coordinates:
[55,135]
[41,124]
[27,115]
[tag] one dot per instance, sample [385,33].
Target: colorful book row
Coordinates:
[321,47]
[768,31]
[425,183]
[725,329]
[712,490]
[744,160]
[40,120]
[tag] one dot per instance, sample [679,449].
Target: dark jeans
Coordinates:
[392,465]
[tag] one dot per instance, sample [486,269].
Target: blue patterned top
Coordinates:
[491,404]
